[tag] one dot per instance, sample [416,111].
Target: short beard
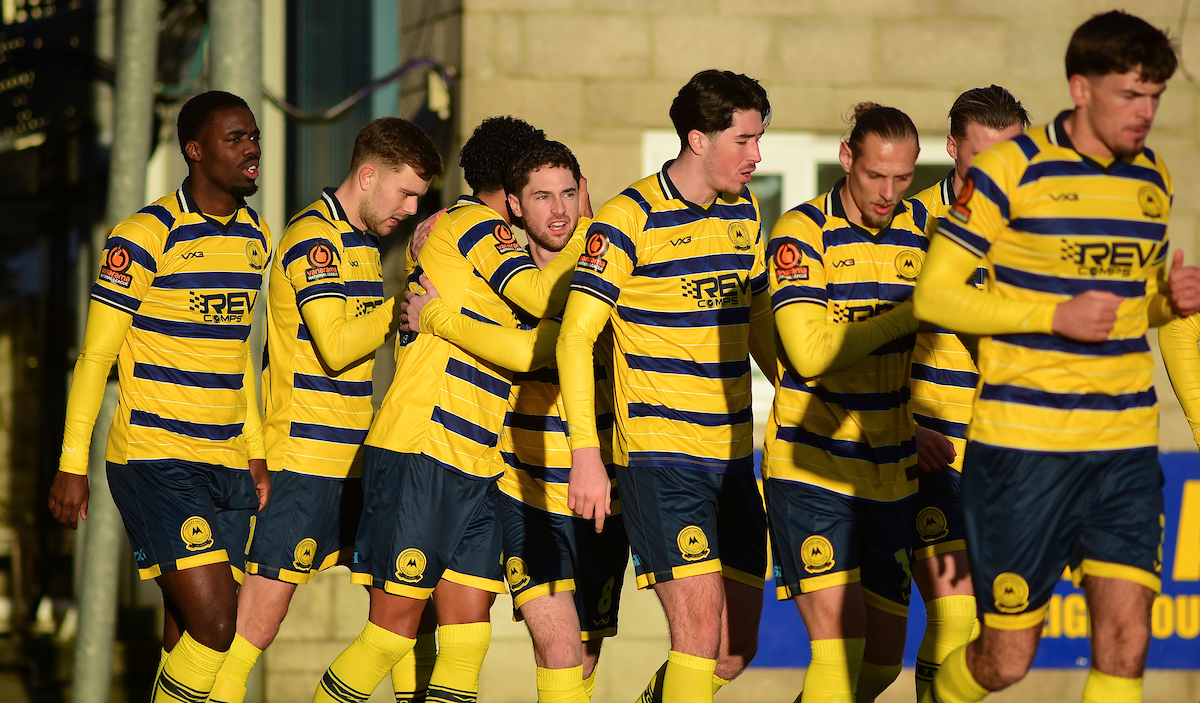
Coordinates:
[371,219]
[243,192]
[547,242]
[871,221]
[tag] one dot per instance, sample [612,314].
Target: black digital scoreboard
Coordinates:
[46,68]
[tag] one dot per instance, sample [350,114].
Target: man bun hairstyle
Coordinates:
[394,143]
[992,107]
[544,154]
[710,98]
[495,144]
[890,124]
[1118,42]
[198,111]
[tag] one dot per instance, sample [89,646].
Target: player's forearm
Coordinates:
[583,322]
[543,292]
[944,299]
[516,350]
[762,334]
[252,427]
[102,340]
[342,339]
[1179,342]
[814,345]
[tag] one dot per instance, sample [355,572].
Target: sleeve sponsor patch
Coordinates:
[787,264]
[592,258]
[959,209]
[320,263]
[505,242]
[115,265]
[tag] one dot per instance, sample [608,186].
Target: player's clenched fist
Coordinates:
[588,493]
[1088,317]
[1183,287]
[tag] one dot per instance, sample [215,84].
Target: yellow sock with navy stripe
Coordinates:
[561,685]
[353,676]
[873,679]
[949,623]
[1102,688]
[188,673]
[954,683]
[461,649]
[410,675]
[589,684]
[832,675]
[653,690]
[688,679]
[230,686]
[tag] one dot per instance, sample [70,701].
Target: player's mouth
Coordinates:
[250,169]
[558,226]
[882,210]
[747,174]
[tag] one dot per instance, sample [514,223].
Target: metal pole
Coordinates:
[236,62]
[133,106]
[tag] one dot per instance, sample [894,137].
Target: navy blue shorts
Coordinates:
[307,526]
[821,539]
[1030,514]
[422,523]
[937,515]
[547,553]
[181,514]
[683,522]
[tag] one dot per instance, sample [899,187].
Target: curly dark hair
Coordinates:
[494,145]
[545,153]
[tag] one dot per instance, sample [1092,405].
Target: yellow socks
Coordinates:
[654,689]
[353,676]
[688,679]
[832,676]
[949,623]
[561,685]
[873,679]
[719,683]
[188,672]
[589,684]
[1102,688]
[954,683]
[230,686]
[410,675]
[461,649]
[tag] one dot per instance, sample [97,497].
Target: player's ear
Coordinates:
[192,149]
[1081,89]
[697,142]
[366,176]
[952,147]
[514,204]
[845,156]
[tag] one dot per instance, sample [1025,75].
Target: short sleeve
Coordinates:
[131,259]
[795,259]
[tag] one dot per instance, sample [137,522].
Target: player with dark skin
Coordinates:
[222,169]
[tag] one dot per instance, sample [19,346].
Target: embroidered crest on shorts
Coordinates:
[196,534]
[516,573]
[410,565]
[1011,592]
[817,554]
[306,551]
[693,544]
[931,524]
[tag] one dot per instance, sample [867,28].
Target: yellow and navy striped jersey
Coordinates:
[680,279]
[849,430]
[445,403]
[1050,223]
[190,282]
[943,373]
[535,443]
[315,419]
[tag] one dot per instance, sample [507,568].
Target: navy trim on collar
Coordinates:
[948,195]
[670,190]
[187,204]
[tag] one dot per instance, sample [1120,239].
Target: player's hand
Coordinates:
[422,233]
[1088,317]
[585,200]
[69,498]
[262,481]
[589,491]
[1183,287]
[934,452]
[413,303]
